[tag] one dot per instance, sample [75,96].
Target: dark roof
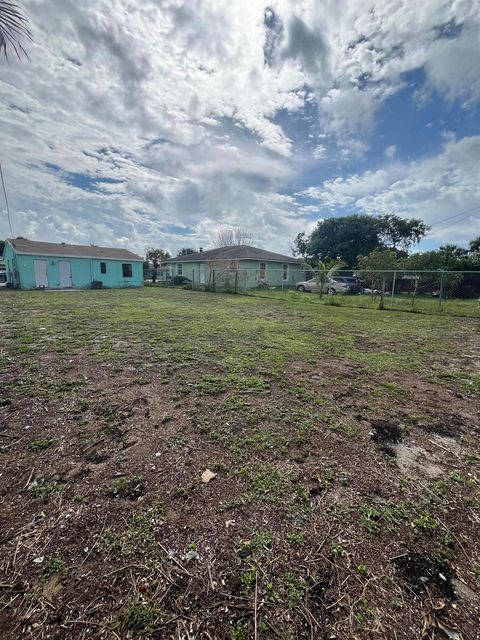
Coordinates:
[240,252]
[34,248]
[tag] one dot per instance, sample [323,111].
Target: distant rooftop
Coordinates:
[238,252]
[34,248]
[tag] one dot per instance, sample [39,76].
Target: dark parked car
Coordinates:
[354,284]
[181,280]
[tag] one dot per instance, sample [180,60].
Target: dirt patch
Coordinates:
[450,427]
[414,461]
[304,514]
[386,432]
[418,572]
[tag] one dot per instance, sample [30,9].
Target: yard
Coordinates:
[345,447]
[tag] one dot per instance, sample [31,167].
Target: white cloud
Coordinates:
[175,113]
[433,189]
[319,152]
[390,151]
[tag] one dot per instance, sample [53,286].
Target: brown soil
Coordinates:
[378,544]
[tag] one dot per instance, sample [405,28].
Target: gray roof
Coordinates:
[240,252]
[34,248]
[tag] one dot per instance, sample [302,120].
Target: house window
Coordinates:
[180,270]
[103,267]
[285,272]
[127,270]
[263,270]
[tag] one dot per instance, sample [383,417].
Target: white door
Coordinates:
[40,268]
[65,274]
[202,274]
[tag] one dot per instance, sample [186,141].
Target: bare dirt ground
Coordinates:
[343,447]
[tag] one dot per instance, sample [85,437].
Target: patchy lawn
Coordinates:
[345,448]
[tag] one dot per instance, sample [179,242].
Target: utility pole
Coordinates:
[6,202]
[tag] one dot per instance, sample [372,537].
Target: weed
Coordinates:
[293,587]
[445,548]
[439,489]
[296,538]
[39,445]
[139,616]
[387,515]
[426,523]
[344,429]
[239,632]
[392,389]
[43,490]
[54,565]
[127,487]
[462,479]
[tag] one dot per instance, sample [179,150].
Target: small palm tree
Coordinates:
[13,29]
[325,272]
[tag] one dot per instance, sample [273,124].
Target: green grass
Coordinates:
[251,337]
[401,302]
[276,395]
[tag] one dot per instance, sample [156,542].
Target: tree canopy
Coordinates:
[348,237]
[475,244]
[231,236]
[156,257]
[184,251]
[13,29]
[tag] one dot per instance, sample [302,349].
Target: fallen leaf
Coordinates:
[208,475]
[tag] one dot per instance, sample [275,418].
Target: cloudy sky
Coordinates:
[154,122]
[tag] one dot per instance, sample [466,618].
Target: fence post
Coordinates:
[236,280]
[440,297]
[193,278]
[392,297]
[213,279]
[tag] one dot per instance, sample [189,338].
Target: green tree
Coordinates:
[13,29]
[347,237]
[2,246]
[184,251]
[401,233]
[377,268]
[156,257]
[343,239]
[300,245]
[474,244]
[324,273]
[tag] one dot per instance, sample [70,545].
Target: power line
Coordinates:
[441,225]
[457,215]
[6,202]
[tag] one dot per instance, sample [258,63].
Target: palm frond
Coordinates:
[13,29]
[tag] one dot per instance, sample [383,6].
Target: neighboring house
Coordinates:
[252,267]
[47,265]
[162,273]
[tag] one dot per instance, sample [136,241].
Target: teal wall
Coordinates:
[248,273]
[20,271]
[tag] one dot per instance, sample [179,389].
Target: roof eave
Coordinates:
[69,255]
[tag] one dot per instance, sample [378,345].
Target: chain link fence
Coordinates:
[435,291]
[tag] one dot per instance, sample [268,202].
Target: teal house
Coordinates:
[46,265]
[237,267]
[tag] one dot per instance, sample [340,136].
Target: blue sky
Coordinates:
[155,123]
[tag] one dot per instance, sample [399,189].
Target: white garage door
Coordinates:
[40,268]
